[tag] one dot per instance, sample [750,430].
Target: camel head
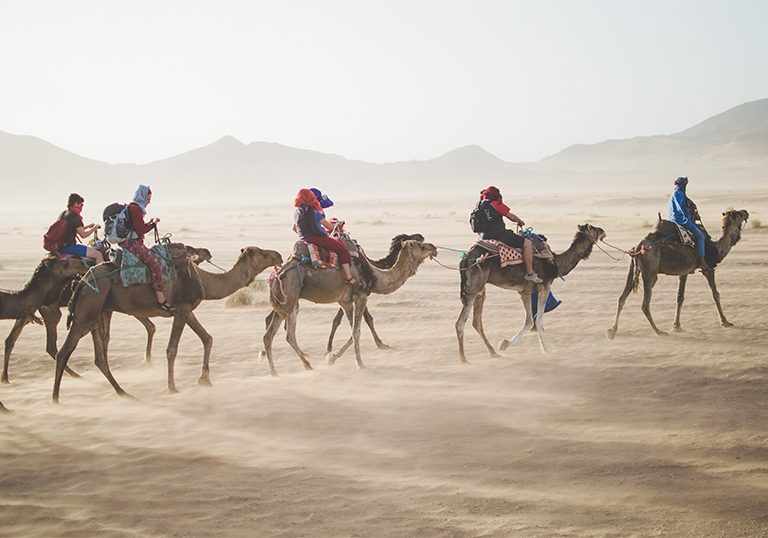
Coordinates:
[399,238]
[62,268]
[259,259]
[593,233]
[734,220]
[417,252]
[198,255]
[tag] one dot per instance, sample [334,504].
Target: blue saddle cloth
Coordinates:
[133,271]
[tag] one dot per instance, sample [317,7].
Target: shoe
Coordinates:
[533,277]
[353,282]
[165,307]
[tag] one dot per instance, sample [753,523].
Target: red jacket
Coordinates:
[137,219]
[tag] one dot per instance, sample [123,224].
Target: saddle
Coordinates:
[322,258]
[511,255]
[133,271]
[668,228]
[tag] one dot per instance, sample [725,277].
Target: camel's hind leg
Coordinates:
[540,307]
[179,322]
[358,309]
[207,340]
[273,325]
[100,335]
[477,323]
[290,337]
[18,326]
[710,274]
[676,327]
[525,296]
[332,356]
[630,285]
[151,329]
[649,281]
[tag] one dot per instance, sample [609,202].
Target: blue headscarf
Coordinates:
[325,202]
[681,183]
[141,197]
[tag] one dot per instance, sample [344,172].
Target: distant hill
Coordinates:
[730,148]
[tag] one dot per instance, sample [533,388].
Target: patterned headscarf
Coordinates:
[141,197]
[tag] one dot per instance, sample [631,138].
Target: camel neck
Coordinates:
[580,248]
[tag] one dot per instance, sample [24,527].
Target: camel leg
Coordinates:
[460,325]
[18,326]
[477,323]
[649,281]
[100,336]
[51,316]
[151,329]
[4,409]
[334,325]
[179,321]
[290,337]
[332,356]
[610,333]
[542,304]
[207,340]
[526,298]
[369,321]
[358,309]
[680,300]
[272,328]
[710,274]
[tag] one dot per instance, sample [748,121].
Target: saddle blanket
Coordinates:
[133,271]
[686,236]
[667,227]
[511,255]
[322,258]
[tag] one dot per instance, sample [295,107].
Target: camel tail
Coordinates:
[71,305]
[634,270]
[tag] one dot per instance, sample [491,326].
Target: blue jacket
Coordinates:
[678,209]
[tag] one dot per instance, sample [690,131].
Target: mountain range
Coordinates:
[728,149]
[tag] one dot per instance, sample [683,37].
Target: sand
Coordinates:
[640,436]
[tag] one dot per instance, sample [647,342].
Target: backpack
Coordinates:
[478,219]
[117,223]
[53,239]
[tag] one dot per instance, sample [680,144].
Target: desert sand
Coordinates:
[639,436]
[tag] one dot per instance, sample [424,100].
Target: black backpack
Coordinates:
[478,219]
[117,223]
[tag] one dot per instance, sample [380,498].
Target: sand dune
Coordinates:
[640,436]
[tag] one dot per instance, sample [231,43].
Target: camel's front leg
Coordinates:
[332,356]
[369,321]
[290,337]
[207,340]
[100,336]
[75,333]
[525,296]
[273,325]
[540,307]
[477,323]
[179,321]
[359,307]
[18,326]
[610,333]
[680,300]
[710,274]
[334,325]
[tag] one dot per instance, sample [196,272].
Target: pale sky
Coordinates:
[378,80]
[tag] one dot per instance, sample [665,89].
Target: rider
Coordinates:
[310,223]
[497,230]
[137,208]
[76,228]
[680,207]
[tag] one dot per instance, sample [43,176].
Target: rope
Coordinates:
[95,286]
[478,261]
[277,276]
[451,249]
[632,252]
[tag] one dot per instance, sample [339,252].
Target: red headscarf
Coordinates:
[307,197]
[492,194]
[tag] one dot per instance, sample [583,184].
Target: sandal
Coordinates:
[165,307]
[353,282]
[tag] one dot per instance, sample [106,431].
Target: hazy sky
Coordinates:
[379,81]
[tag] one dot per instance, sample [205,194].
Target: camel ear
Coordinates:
[242,250]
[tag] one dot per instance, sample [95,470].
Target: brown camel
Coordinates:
[91,309]
[48,283]
[326,286]
[668,256]
[475,275]
[50,313]
[383,263]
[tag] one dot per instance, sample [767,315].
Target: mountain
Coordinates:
[731,147]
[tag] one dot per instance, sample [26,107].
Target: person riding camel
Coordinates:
[496,230]
[310,223]
[137,208]
[681,211]
[76,228]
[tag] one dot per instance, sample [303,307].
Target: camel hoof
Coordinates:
[126,395]
[610,333]
[273,373]
[262,355]
[661,333]
[503,345]
[5,381]
[677,329]
[147,363]
[330,359]
[172,390]
[494,355]
[4,409]
[204,382]
[726,324]
[383,346]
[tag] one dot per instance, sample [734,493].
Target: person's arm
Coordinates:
[137,219]
[678,200]
[514,218]
[85,231]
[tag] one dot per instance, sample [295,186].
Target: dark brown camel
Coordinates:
[327,286]
[475,276]
[50,313]
[668,256]
[48,283]
[91,309]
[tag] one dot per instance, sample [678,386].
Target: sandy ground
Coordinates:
[640,436]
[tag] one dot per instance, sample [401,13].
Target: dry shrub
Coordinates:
[253,295]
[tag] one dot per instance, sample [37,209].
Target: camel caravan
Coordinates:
[118,273]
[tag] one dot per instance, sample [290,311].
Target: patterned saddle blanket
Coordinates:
[511,255]
[320,257]
[667,227]
[133,271]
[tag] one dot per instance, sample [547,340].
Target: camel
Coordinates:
[48,283]
[91,309]
[383,263]
[475,275]
[671,257]
[50,314]
[326,286]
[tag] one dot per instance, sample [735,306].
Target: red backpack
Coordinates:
[53,239]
